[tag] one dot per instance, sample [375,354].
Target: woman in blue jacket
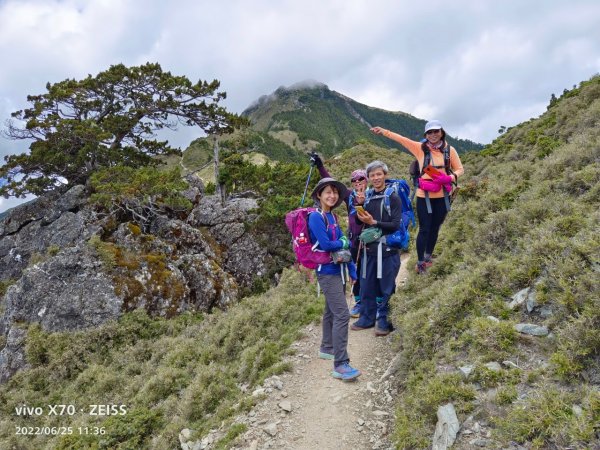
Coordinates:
[325,231]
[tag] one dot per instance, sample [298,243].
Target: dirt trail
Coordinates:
[325,413]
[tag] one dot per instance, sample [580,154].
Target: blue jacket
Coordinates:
[329,241]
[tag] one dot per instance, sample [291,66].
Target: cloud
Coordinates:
[475,65]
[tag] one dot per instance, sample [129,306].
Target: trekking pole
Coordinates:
[360,244]
[306,186]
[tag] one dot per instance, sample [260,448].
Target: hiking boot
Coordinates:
[324,355]
[428,263]
[345,372]
[381,331]
[421,268]
[428,259]
[356,327]
[355,310]
[383,327]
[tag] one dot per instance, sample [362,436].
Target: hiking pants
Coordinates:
[382,288]
[429,225]
[354,253]
[335,318]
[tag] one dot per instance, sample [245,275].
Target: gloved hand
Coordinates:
[345,242]
[429,185]
[443,179]
[316,160]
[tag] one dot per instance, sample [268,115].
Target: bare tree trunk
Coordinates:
[220,190]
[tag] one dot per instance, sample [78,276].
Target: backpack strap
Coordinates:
[426,158]
[447,158]
[415,178]
[368,194]
[448,172]
[389,190]
[447,166]
[426,162]
[324,216]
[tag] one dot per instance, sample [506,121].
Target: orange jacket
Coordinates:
[437,159]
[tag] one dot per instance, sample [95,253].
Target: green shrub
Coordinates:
[506,394]
[132,430]
[489,378]
[490,340]
[106,251]
[52,250]
[547,418]
[424,393]
[578,342]
[5,284]
[138,194]
[233,432]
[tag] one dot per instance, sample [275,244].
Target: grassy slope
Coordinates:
[528,216]
[193,371]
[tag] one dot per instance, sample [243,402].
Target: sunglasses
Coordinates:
[356,180]
[433,131]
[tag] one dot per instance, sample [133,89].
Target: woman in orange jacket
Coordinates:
[435,186]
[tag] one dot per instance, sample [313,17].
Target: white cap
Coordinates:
[433,125]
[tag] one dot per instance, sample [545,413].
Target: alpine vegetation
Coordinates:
[506,324]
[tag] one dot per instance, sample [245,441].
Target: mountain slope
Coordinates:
[525,226]
[329,122]
[306,117]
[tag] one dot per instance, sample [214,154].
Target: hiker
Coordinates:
[354,196]
[325,231]
[380,263]
[433,194]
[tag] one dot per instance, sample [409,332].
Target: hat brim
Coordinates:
[342,190]
[431,128]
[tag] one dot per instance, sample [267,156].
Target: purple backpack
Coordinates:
[306,252]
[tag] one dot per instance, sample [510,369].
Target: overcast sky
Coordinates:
[473,64]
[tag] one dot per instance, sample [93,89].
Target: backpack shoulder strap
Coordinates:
[324,216]
[368,194]
[426,157]
[389,190]
[447,159]
[320,211]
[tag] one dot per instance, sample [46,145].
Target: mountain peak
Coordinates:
[283,91]
[305,84]
[308,116]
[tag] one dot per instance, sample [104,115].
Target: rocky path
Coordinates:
[309,409]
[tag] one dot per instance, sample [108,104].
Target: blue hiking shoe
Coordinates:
[324,355]
[357,326]
[345,372]
[355,310]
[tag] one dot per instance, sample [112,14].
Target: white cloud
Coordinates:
[7,203]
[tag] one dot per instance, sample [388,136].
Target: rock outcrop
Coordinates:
[70,268]
[35,226]
[243,256]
